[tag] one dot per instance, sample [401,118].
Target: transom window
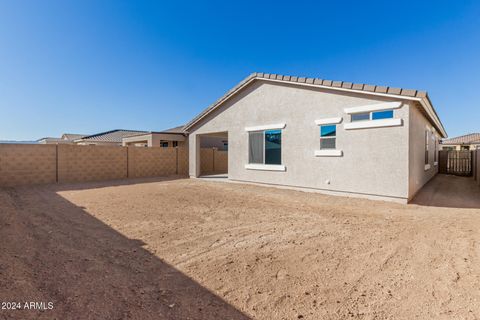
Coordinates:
[373,115]
[265,147]
[328,136]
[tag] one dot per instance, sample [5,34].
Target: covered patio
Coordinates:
[449,191]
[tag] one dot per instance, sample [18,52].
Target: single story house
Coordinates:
[107,138]
[466,142]
[168,138]
[332,136]
[66,138]
[171,138]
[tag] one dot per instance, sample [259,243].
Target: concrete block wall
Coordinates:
[221,161]
[213,161]
[22,164]
[27,164]
[151,162]
[182,159]
[91,163]
[206,160]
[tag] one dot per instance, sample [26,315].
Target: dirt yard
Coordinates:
[190,249]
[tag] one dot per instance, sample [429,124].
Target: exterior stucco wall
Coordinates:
[374,161]
[153,139]
[418,174]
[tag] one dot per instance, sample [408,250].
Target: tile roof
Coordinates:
[472,138]
[178,129]
[111,136]
[73,136]
[51,139]
[338,85]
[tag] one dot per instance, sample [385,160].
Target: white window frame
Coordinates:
[427,149]
[370,109]
[370,115]
[328,152]
[263,166]
[395,122]
[374,107]
[267,127]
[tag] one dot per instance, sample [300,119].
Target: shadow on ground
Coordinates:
[52,250]
[110,183]
[449,191]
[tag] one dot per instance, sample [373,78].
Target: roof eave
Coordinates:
[419,96]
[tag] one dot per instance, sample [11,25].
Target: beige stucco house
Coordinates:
[171,138]
[107,138]
[330,136]
[466,142]
[66,138]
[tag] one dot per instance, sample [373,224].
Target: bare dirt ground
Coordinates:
[190,249]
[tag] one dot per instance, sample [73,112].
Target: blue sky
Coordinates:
[91,66]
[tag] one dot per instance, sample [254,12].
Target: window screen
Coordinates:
[255,146]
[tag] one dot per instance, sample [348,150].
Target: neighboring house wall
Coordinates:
[419,173]
[374,161]
[153,139]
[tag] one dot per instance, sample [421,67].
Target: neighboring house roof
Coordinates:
[111,136]
[472,138]
[19,142]
[51,140]
[73,136]
[408,94]
[176,130]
